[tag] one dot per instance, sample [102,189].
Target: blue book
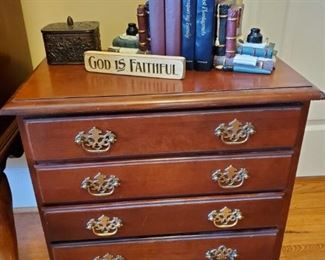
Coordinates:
[266,52]
[188,32]
[251,69]
[221,30]
[204,37]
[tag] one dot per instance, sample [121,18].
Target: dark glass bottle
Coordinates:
[132,29]
[128,40]
[255,36]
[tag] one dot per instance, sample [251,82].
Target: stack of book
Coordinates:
[159,23]
[187,28]
[205,32]
[250,58]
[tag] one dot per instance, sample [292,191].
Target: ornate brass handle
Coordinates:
[230,177]
[95,141]
[100,185]
[225,217]
[104,226]
[109,257]
[221,253]
[235,132]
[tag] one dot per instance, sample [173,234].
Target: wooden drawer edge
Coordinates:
[248,245]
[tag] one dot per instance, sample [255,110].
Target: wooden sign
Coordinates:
[143,65]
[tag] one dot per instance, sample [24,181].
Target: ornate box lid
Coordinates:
[71,27]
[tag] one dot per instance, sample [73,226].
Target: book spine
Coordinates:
[146,6]
[240,19]
[157,26]
[250,69]
[142,25]
[268,64]
[173,27]
[188,32]
[231,35]
[224,63]
[258,52]
[245,60]
[204,36]
[221,29]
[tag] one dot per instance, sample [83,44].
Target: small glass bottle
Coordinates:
[129,39]
[255,36]
[132,29]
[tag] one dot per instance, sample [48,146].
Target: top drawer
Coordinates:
[162,133]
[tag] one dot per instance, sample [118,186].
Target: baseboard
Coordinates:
[28,210]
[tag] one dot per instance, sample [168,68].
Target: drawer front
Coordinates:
[163,178]
[164,217]
[251,246]
[161,133]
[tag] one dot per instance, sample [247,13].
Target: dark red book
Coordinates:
[231,35]
[143,28]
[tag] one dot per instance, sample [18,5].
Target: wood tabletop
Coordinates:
[70,89]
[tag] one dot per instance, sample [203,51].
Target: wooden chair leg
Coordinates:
[8,241]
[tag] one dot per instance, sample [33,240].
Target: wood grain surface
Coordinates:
[304,238]
[164,217]
[187,176]
[162,133]
[305,232]
[69,88]
[250,246]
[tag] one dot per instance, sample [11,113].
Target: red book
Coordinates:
[231,36]
[173,25]
[142,25]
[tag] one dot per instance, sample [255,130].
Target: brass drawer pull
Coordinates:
[235,132]
[221,253]
[109,257]
[225,217]
[230,177]
[104,226]
[100,185]
[95,141]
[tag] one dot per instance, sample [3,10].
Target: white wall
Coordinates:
[113,16]
[296,26]
[298,29]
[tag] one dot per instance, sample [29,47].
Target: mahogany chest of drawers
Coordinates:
[136,168]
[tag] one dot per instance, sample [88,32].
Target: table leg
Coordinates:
[8,242]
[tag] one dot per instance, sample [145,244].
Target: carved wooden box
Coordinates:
[65,43]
